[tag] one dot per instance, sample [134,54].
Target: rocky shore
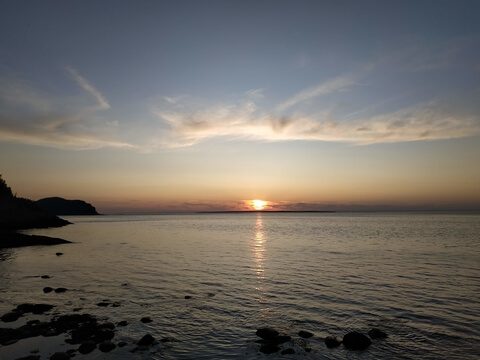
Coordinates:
[20,214]
[12,239]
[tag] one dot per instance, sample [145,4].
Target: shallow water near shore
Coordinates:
[210,280]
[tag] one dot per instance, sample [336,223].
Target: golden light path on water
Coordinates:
[259,257]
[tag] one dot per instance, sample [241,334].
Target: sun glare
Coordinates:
[258,204]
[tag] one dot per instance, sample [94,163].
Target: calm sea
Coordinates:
[415,276]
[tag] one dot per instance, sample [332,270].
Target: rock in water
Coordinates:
[146,340]
[146,320]
[87,347]
[332,342]
[10,317]
[377,334]
[106,346]
[267,333]
[305,334]
[356,341]
[269,348]
[279,339]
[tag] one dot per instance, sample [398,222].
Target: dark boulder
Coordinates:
[146,340]
[104,304]
[332,342]
[377,334]
[146,320]
[59,253]
[305,334]
[106,346]
[47,289]
[288,351]
[123,323]
[33,308]
[356,341]
[107,325]
[103,335]
[269,348]
[10,317]
[279,339]
[45,277]
[266,333]
[122,344]
[87,347]
[60,290]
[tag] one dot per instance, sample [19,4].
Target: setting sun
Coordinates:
[258,204]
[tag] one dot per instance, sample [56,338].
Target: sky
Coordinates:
[154,106]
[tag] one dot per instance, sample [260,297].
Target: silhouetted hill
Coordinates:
[60,206]
[19,213]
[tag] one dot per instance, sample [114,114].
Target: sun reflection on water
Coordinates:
[259,247]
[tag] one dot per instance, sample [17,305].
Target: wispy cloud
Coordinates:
[243,120]
[31,116]
[334,85]
[102,103]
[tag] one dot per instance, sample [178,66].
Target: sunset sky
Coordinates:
[152,106]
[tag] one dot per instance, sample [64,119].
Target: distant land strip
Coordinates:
[263,211]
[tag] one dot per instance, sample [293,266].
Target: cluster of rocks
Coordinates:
[354,340]
[84,330]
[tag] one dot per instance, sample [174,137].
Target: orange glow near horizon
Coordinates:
[258,204]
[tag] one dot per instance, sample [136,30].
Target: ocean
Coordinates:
[209,281]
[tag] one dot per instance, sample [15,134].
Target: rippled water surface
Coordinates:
[416,276]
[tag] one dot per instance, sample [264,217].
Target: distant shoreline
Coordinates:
[264,211]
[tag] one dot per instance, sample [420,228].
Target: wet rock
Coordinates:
[59,253]
[146,320]
[10,317]
[87,347]
[332,342]
[104,304]
[45,277]
[60,356]
[377,334]
[305,334]
[107,325]
[146,340]
[60,290]
[269,348]
[33,308]
[103,335]
[188,297]
[116,304]
[356,341]
[106,346]
[47,289]
[122,344]
[29,357]
[266,333]
[123,323]
[279,339]
[288,351]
